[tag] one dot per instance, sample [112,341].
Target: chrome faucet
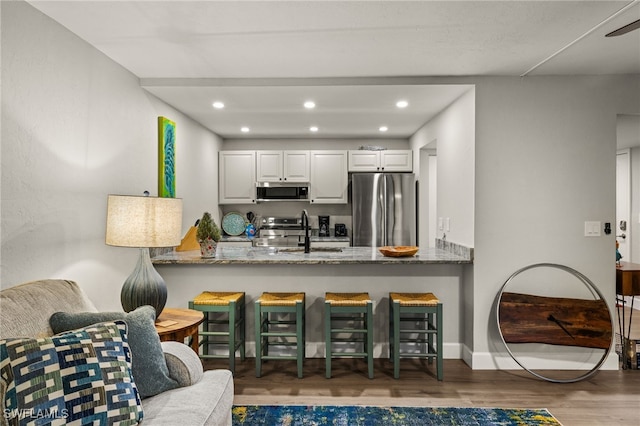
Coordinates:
[305,225]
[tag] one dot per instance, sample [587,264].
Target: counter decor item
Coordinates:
[250,231]
[234,224]
[143,222]
[323,226]
[340,230]
[398,251]
[208,235]
[189,241]
[552,314]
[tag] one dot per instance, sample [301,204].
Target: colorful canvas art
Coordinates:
[166,157]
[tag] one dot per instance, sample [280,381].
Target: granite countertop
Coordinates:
[346,255]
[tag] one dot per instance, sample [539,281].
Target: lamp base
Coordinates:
[144,286]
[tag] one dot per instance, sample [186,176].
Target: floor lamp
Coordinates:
[143,222]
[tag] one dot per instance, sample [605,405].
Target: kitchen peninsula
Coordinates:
[324,255]
[446,270]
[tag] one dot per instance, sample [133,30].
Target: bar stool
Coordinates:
[273,330]
[232,309]
[356,310]
[415,308]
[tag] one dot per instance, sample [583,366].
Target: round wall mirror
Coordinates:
[554,322]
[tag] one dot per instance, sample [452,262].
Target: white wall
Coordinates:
[335,143]
[76,127]
[454,131]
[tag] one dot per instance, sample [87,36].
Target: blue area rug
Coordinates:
[353,415]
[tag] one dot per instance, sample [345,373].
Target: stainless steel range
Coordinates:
[280,232]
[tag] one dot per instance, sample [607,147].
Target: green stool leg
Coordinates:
[369,348]
[232,337]
[327,338]
[390,330]
[300,344]
[258,324]
[396,340]
[243,326]
[439,355]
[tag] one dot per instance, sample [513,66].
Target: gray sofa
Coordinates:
[202,398]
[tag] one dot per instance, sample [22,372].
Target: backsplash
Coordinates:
[457,249]
[339,213]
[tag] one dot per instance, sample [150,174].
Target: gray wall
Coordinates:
[545,164]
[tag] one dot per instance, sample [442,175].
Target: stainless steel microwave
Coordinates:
[270,191]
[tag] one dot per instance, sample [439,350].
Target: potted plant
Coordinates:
[208,235]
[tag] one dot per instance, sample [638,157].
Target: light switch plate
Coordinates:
[592,229]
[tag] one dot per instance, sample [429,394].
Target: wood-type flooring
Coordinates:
[609,397]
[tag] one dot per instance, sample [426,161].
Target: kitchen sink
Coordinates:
[313,250]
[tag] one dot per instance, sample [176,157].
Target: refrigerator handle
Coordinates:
[383,209]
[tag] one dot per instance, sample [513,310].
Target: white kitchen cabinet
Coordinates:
[282,166]
[393,160]
[329,177]
[237,177]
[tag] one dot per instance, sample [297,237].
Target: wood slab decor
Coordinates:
[526,318]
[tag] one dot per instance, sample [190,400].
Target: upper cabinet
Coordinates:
[329,177]
[237,177]
[393,160]
[282,166]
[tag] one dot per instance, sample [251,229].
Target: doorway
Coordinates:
[623,203]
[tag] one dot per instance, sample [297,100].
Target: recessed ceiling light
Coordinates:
[383,128]
[402,104]
[218,105]
[245,129]
[313,129]
[309,104]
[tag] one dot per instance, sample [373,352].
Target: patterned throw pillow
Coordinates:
[82,377]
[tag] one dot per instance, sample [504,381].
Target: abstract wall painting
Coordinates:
[166,158]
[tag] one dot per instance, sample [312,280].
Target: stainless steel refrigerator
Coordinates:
[384,209]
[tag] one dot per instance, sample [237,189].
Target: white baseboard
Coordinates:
[475,360]
[493,361]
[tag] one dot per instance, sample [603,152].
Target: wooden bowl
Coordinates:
[398,251]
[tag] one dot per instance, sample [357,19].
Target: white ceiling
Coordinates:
[264,58]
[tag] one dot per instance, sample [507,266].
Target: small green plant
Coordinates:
[207,228]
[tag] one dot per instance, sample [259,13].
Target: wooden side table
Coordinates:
[176,324]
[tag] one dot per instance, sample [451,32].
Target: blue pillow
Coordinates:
[82,376]
[149,366]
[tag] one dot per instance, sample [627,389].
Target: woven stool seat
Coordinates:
[224,324]
[347,299]
[348,314]
[280,323]
[281,299]
[414,299]
[217,298]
